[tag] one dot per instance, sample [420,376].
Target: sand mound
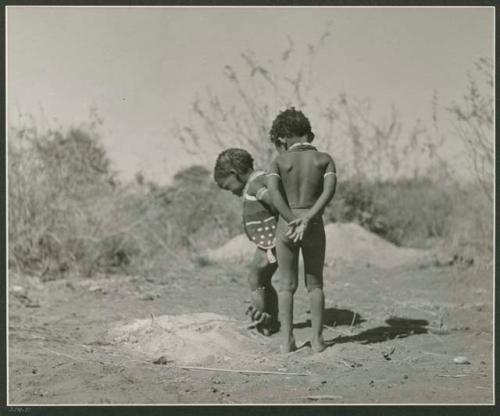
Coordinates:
[351,244]
[347,244]
[187,339]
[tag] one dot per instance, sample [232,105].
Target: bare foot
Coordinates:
[269,329]
[318,345]
[288,345]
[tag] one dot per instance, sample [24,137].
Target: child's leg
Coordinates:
[264,296]
[288,259]
[313,249]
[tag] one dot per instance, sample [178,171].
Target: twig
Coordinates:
[259,337]
[433,353]
[251,325]
[64,355]
[132,361]
[352,322]
[330,327]
[346,364]
[343,331]
[295,351]
[452,376]
[245,371]
[322,397]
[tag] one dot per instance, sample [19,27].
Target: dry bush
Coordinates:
[55,180]
[68,213]
[474,206]
[407,212]
[473,122]
[192,213]
[376,156]
[363,144]
[67,210]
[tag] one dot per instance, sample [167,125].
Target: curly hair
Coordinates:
[232,159]
[289,123]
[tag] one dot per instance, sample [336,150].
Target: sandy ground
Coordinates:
[394,332]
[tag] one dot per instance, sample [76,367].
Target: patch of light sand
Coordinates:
[187,339]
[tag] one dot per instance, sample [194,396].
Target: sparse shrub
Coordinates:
[69,213]
[473,118]
[56,179]
[473,121]
[363,144]
[405,212]
[199,212]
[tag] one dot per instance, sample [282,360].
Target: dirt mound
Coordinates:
[187,339]
[351,244]
[347,244]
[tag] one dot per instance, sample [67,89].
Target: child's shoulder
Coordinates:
[323,156]
[258,183]
[283,160]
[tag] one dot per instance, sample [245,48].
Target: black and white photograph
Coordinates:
[250,205]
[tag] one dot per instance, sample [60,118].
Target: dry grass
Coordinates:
[366,144]
[69,213]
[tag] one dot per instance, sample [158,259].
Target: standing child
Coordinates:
[234,172]
[302,182]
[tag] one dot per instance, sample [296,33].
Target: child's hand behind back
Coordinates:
[297,228]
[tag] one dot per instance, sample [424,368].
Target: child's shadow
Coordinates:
[396,328]
[335,317]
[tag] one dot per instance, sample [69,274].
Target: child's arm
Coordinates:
[329,185]
[274,185]
[265,196]
[259,189]
[298,226]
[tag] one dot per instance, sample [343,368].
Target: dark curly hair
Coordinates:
[289,123]
[232,159]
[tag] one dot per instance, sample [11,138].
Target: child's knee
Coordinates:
[254,280]
[258,277]
[314,282]
[288,286]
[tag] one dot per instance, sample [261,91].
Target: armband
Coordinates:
[261,192]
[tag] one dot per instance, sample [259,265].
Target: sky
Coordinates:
[142,67]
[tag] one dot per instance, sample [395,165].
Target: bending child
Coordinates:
[302,182]
[234,172]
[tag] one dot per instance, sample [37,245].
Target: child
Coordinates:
[234,172]
[302,182]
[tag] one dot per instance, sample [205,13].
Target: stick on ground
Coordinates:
[323,397]
[353,320]
[245,371]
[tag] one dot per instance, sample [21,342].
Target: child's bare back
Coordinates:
[302,169]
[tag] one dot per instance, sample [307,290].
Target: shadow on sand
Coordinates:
[335,317]
[395,328]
